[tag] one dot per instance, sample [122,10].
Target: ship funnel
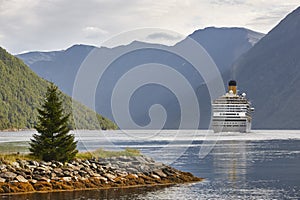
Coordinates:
[232,86]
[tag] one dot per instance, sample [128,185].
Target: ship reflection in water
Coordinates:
[230,161]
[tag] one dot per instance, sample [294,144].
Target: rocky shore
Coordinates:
[123,171]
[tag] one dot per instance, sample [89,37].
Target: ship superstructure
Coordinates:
[232,111]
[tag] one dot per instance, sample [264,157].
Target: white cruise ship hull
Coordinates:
[238,126]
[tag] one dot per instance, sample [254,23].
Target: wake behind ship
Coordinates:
[232,112]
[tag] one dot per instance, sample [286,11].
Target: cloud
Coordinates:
[163,36]
[228,2]
[92,32]
[28,25]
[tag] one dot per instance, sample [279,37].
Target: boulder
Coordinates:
[9,175]
[21,179]
[67,179]
[160,173]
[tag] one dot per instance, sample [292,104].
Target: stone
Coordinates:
[2,180]
[102,178]
[57,170]
[2,167]
[67,173]
[67,179]
[15,164]
[135,175]
[9,175]
[21,179]
[35,163]
[38,177]
[160,173]
[96,175]
[11,169]
[87,162]
[70,165]
[94,165]
[31,167]
[132,170]
[42,168]
[75,178]
[109,176]
[155,176]
[6,188]
[33,181]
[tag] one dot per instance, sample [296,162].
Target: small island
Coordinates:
[81,174]
[54,163]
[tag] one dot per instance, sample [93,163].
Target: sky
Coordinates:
[46,25]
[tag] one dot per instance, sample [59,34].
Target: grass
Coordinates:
[101,153]
[10,158]
[12,151]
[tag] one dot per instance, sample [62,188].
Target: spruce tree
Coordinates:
[53,141]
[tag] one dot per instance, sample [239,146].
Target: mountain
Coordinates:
[270,74]
[224,45]
[22,91]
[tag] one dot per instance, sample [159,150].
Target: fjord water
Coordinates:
[258,165]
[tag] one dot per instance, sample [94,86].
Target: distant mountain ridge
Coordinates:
[224,45]
[22,92]
[269,73]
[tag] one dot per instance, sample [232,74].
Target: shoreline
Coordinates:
[25,177]
[100,188]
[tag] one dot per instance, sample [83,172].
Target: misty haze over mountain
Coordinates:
[224,45]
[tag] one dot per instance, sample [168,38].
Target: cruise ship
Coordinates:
[232,111]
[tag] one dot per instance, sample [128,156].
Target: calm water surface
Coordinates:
[249,167]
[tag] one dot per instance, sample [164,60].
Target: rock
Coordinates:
[45,163]
[35,163]
[160,173]
[155,176]
[75,178]
[9,175]
[102,178]
[96,175]
[87,162]
[53,175]
[2,180]
[31,167]
[40,178]
[132,170]
[140,159]
[2,167]
[70,165]
[94,165]
[21,173]
[42,168]
[59,164]
[58,170]
[15,164]
[10,168]
[21,179]
[109,176]
[134,175]
[67,179]
[33,181]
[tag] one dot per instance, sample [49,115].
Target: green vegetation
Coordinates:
[13,157]
[22,91]
[100,153]
[53,141]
